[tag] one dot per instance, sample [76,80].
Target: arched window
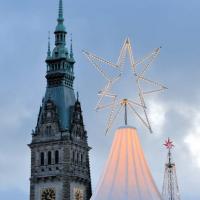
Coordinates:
[48,130]
[56,157]
[49,158]
[73,156]
[78,158]
[81,158]
[42,158]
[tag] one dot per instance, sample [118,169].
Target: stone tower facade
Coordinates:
[59,149]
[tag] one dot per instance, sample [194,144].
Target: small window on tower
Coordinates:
[81,158]
[78,157]
[49,158]
[73,156]
[56,157]
[48,130]
[42,158]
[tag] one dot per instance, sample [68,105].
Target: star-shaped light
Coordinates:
[169,144]
[117,104]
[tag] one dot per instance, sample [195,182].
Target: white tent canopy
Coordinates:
[126,175]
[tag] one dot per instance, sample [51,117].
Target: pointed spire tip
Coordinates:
[49,45]
[77,96]
[71,48]
[60,13]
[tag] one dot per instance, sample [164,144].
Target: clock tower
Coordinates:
[59,149]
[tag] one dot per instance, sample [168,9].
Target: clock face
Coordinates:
[48,194]
[78,194]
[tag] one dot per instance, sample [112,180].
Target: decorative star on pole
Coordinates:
[118,104]
[168,144]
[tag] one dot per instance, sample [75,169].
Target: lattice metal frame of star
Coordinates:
[116,104]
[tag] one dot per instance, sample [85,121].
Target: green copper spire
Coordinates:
[71,51]
[49,46]
[77,96]
[60,26]
[60,73]
[71,47]
[60,14]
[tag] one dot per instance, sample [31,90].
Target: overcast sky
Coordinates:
[101,27]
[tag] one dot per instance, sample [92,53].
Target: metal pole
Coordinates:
[170,176]
[125,114]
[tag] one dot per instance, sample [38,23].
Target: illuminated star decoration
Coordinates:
[117,104]
[169,144]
